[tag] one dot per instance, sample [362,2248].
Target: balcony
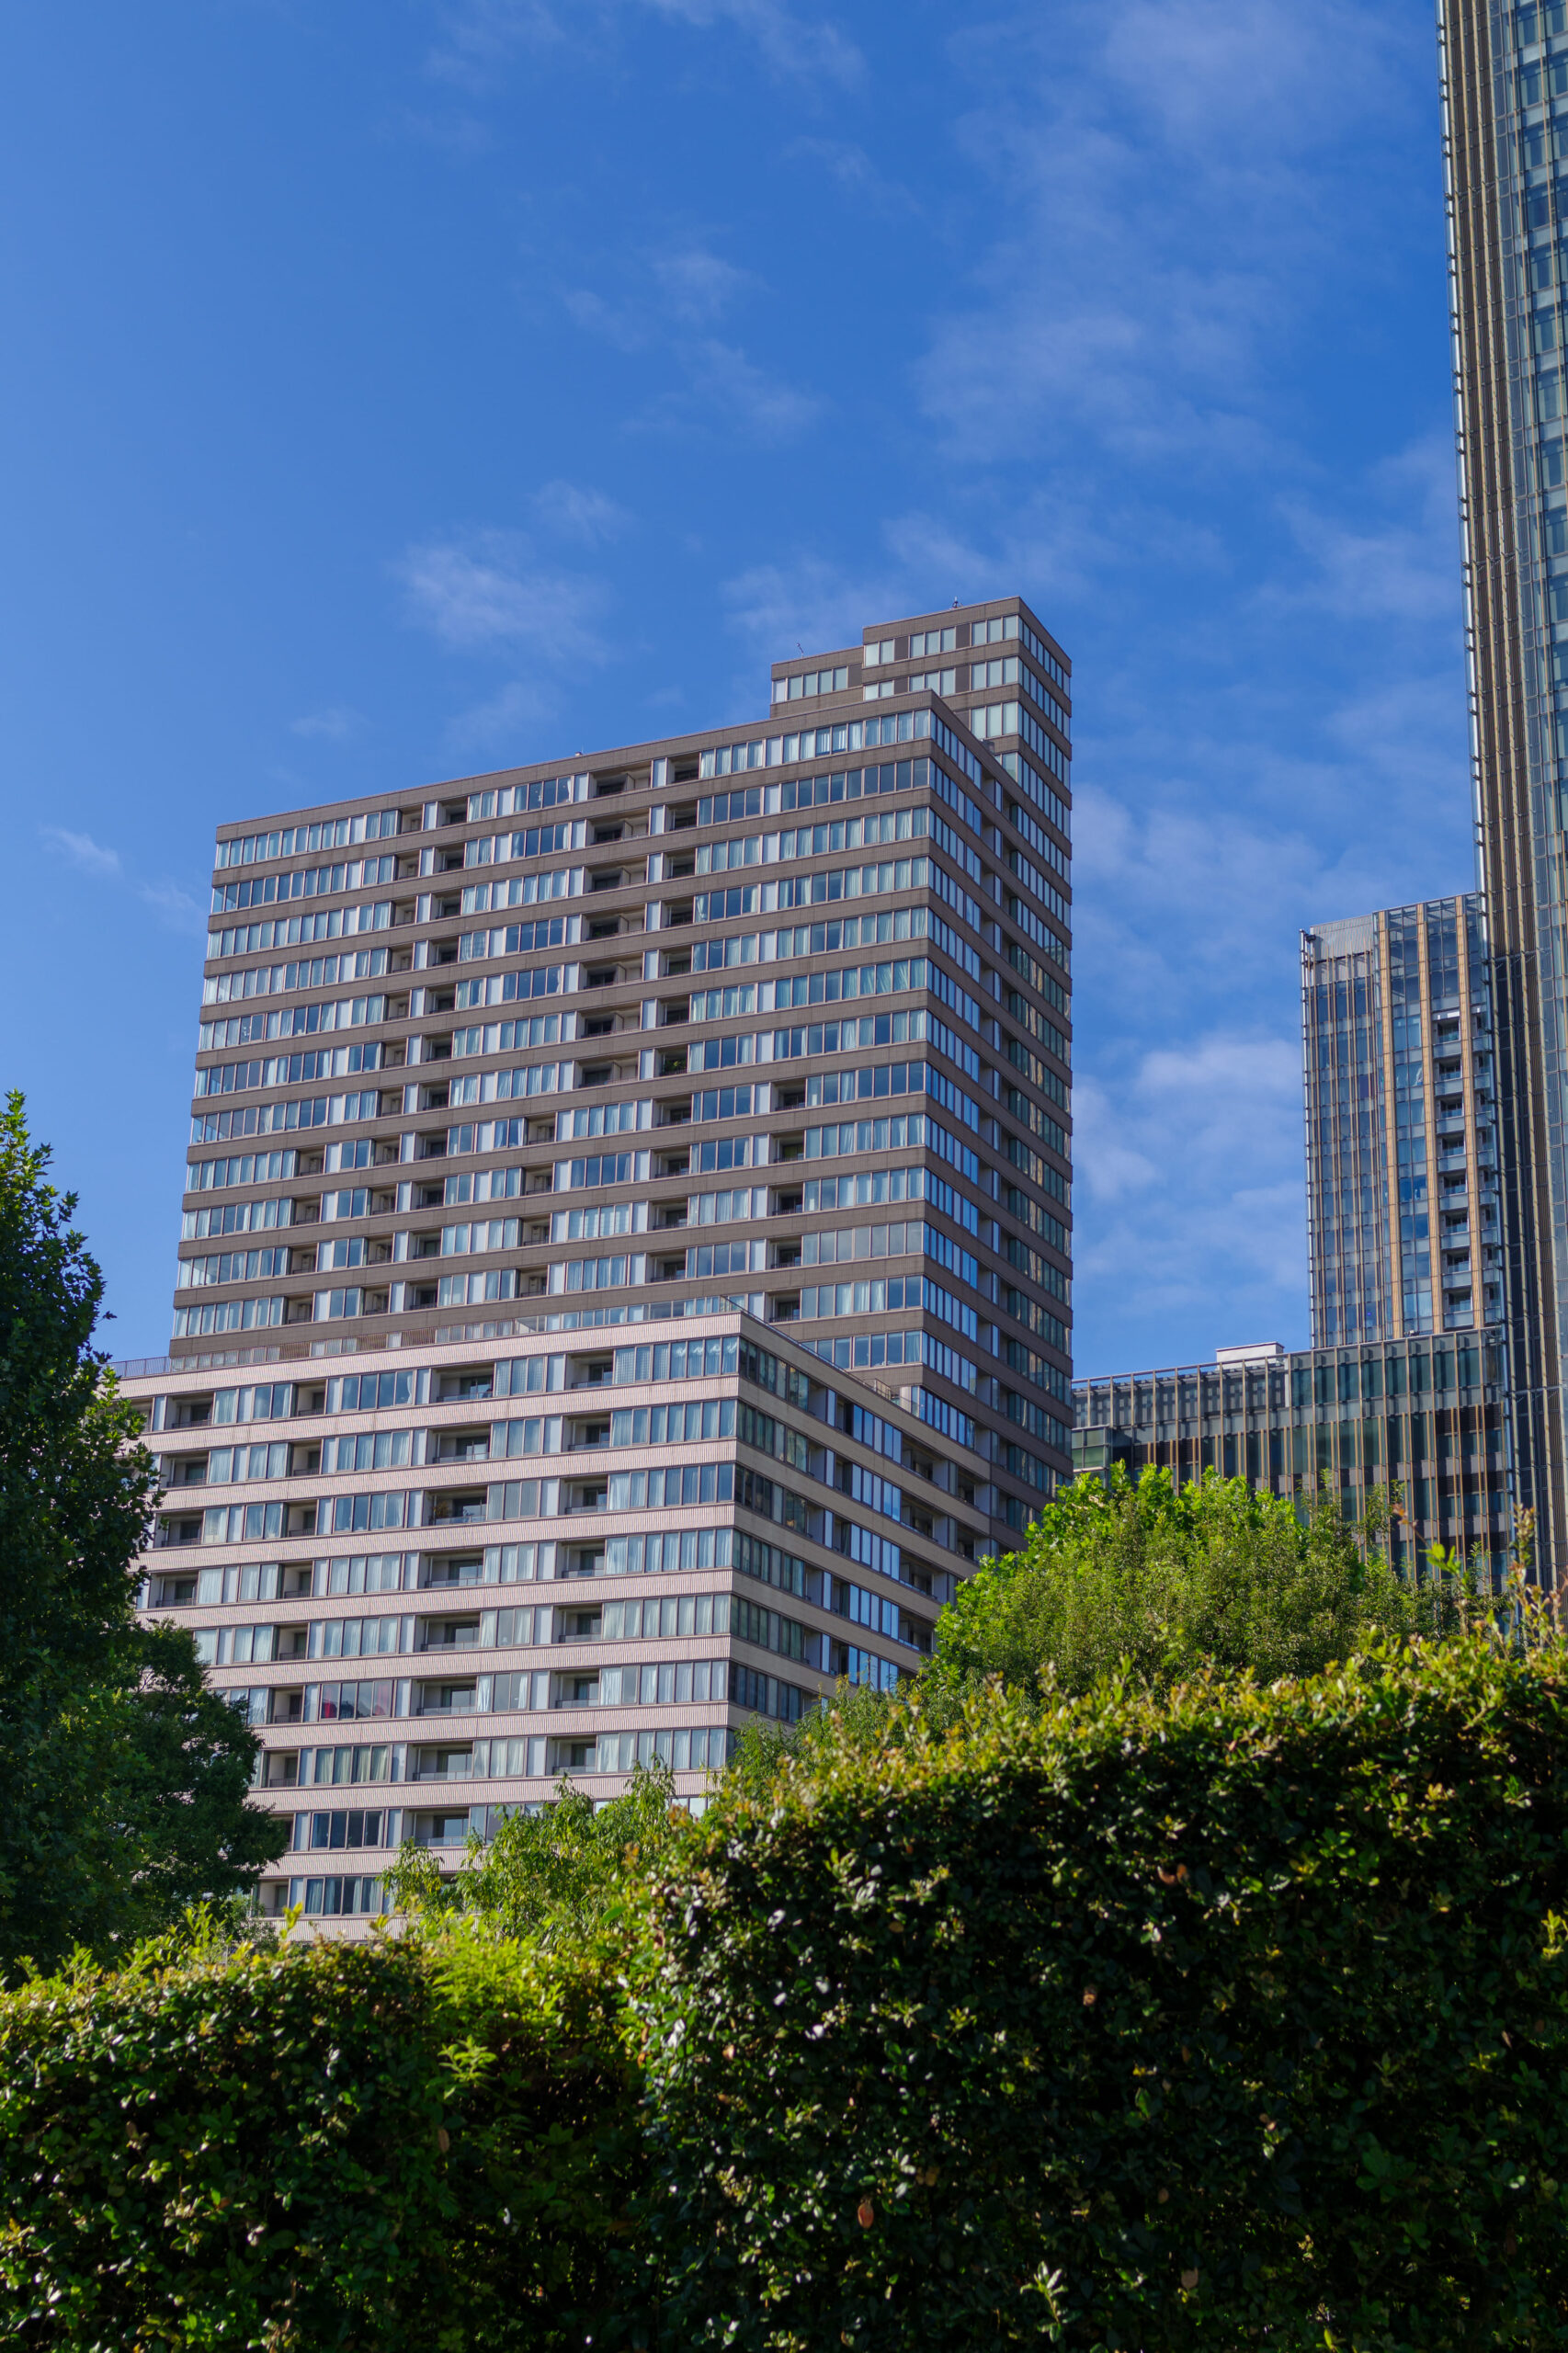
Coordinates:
[460,1637]
[446,1699]
[174,1593]
[577,1691]
[443,1830]
[454,1510]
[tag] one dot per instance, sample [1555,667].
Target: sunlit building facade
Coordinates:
[626,1266]
[1505,86]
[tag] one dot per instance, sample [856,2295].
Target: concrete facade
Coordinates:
[760,1044]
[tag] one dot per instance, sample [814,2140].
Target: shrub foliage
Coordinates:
[381,2145]
[1187,2018]
[1117,1576]
[1232,2016]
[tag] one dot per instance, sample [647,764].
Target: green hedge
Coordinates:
[356,2145]
[1232,2017]
[1237,2016]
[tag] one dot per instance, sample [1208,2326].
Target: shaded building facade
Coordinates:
[1399,1057]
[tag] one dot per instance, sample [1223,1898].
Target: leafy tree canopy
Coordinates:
[122,1777]
[1168,1581]
[555,1877]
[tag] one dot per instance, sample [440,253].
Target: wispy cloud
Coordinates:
[809,600]
[479,39]
[569,512]
[697,284]
[761,404]
[483,591]
[1159,172]
[483,594]
[1190,1205]
[796,47]
[332,726]
[851,169]
[668,291]
[1398,559]
[91,857]
[178,910]
[502,718]
[175,908]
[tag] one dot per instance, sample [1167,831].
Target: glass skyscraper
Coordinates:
[1403,1194]
[1505,78]
[1402,1183]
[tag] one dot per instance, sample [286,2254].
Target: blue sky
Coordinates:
[397,388]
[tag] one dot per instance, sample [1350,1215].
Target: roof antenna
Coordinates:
[955,604]
[799,649]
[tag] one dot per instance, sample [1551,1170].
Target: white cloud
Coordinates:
[503,719]
[333,726]
[82,850]
[175,907]
[1190,1208]
[573,513]
[480,39]
[852,169]
[672,291]
[794,46]
[809,601]
[1103,1159]
[623,326]
[482,591]
[1263,77]
[1163,175]
[1221,1079]
[697,284]
[763,405]
[1401,566]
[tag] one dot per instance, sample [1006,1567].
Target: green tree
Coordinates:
[1173,1580]
[554,1878]
[121,1777]
[186,1774]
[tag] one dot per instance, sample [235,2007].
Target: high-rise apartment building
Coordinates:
[1403,1217]
[625,1274]
[1505,78]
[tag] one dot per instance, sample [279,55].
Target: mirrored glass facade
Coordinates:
[1504,85]
[1428,1418]
[1402,1187]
